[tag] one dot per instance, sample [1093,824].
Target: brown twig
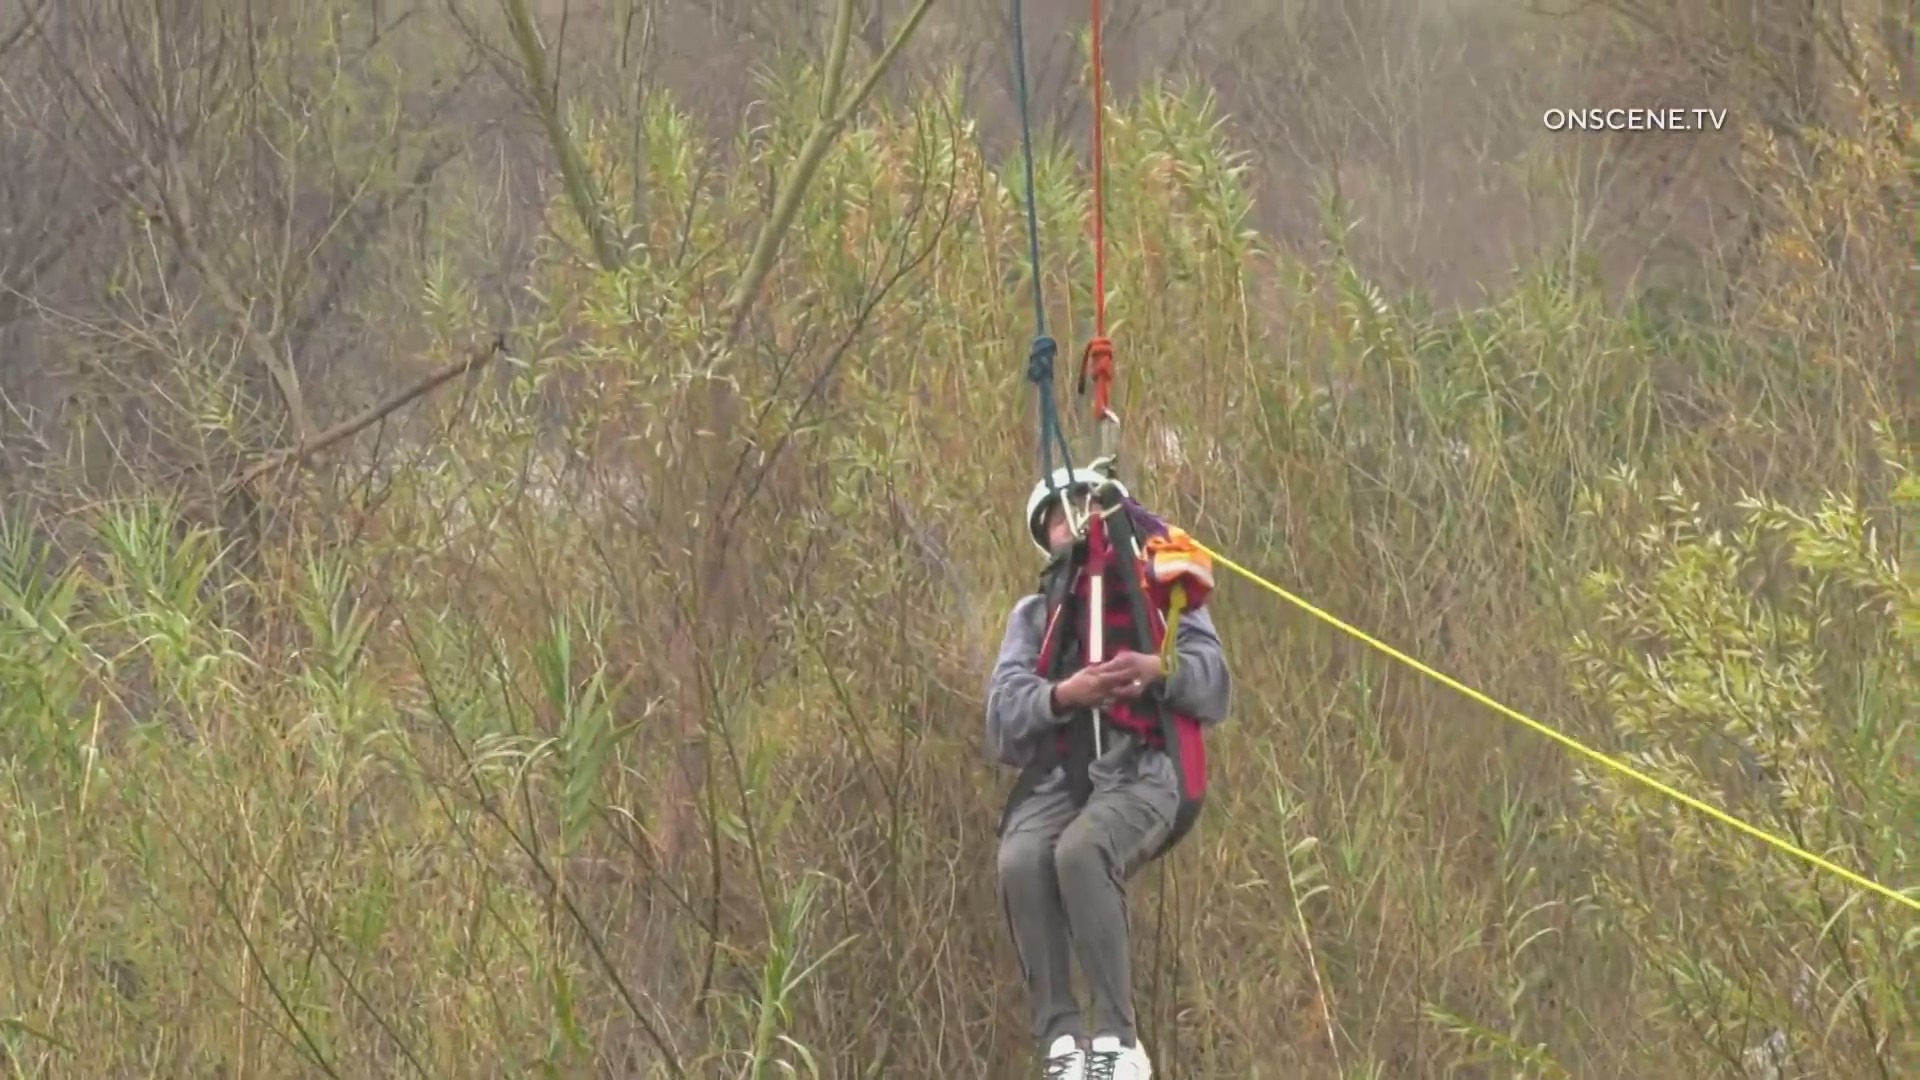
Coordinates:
[348,428]
[29,24]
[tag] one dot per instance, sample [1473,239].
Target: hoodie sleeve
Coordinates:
[1018,712]
[1200,686]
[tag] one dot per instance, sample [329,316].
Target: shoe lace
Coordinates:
[1060,1066]
[1103,1064]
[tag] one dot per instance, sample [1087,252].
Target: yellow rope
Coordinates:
[1169,656]
[1569,742]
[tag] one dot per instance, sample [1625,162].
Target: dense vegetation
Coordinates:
[436,643]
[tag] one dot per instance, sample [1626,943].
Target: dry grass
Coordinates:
[367,779]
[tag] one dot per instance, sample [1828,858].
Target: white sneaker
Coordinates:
[1065,1060]
[1109,1060]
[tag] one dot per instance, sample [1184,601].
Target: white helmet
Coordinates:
[1074,481]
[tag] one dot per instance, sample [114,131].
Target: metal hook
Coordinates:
[1077,521]
[1109,424]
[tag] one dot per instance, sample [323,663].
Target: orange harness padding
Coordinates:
[1176,559]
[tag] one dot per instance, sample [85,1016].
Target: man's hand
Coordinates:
[1135,672]
[1123,678]
[1089,688]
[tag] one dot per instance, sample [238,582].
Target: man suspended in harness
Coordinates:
[1097,799]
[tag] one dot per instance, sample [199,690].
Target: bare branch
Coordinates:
[29,23]
[346,429]
[55,245]
[168,182]
[813,154]
[542,85]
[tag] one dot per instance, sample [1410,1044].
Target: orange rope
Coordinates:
[1097,361]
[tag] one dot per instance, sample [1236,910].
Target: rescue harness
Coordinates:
[1107,593]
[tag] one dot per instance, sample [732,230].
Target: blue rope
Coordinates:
[1041,355]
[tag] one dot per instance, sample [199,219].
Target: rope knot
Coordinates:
[1040,361]
[1096,363]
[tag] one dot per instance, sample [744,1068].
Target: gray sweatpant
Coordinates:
[1063,884]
